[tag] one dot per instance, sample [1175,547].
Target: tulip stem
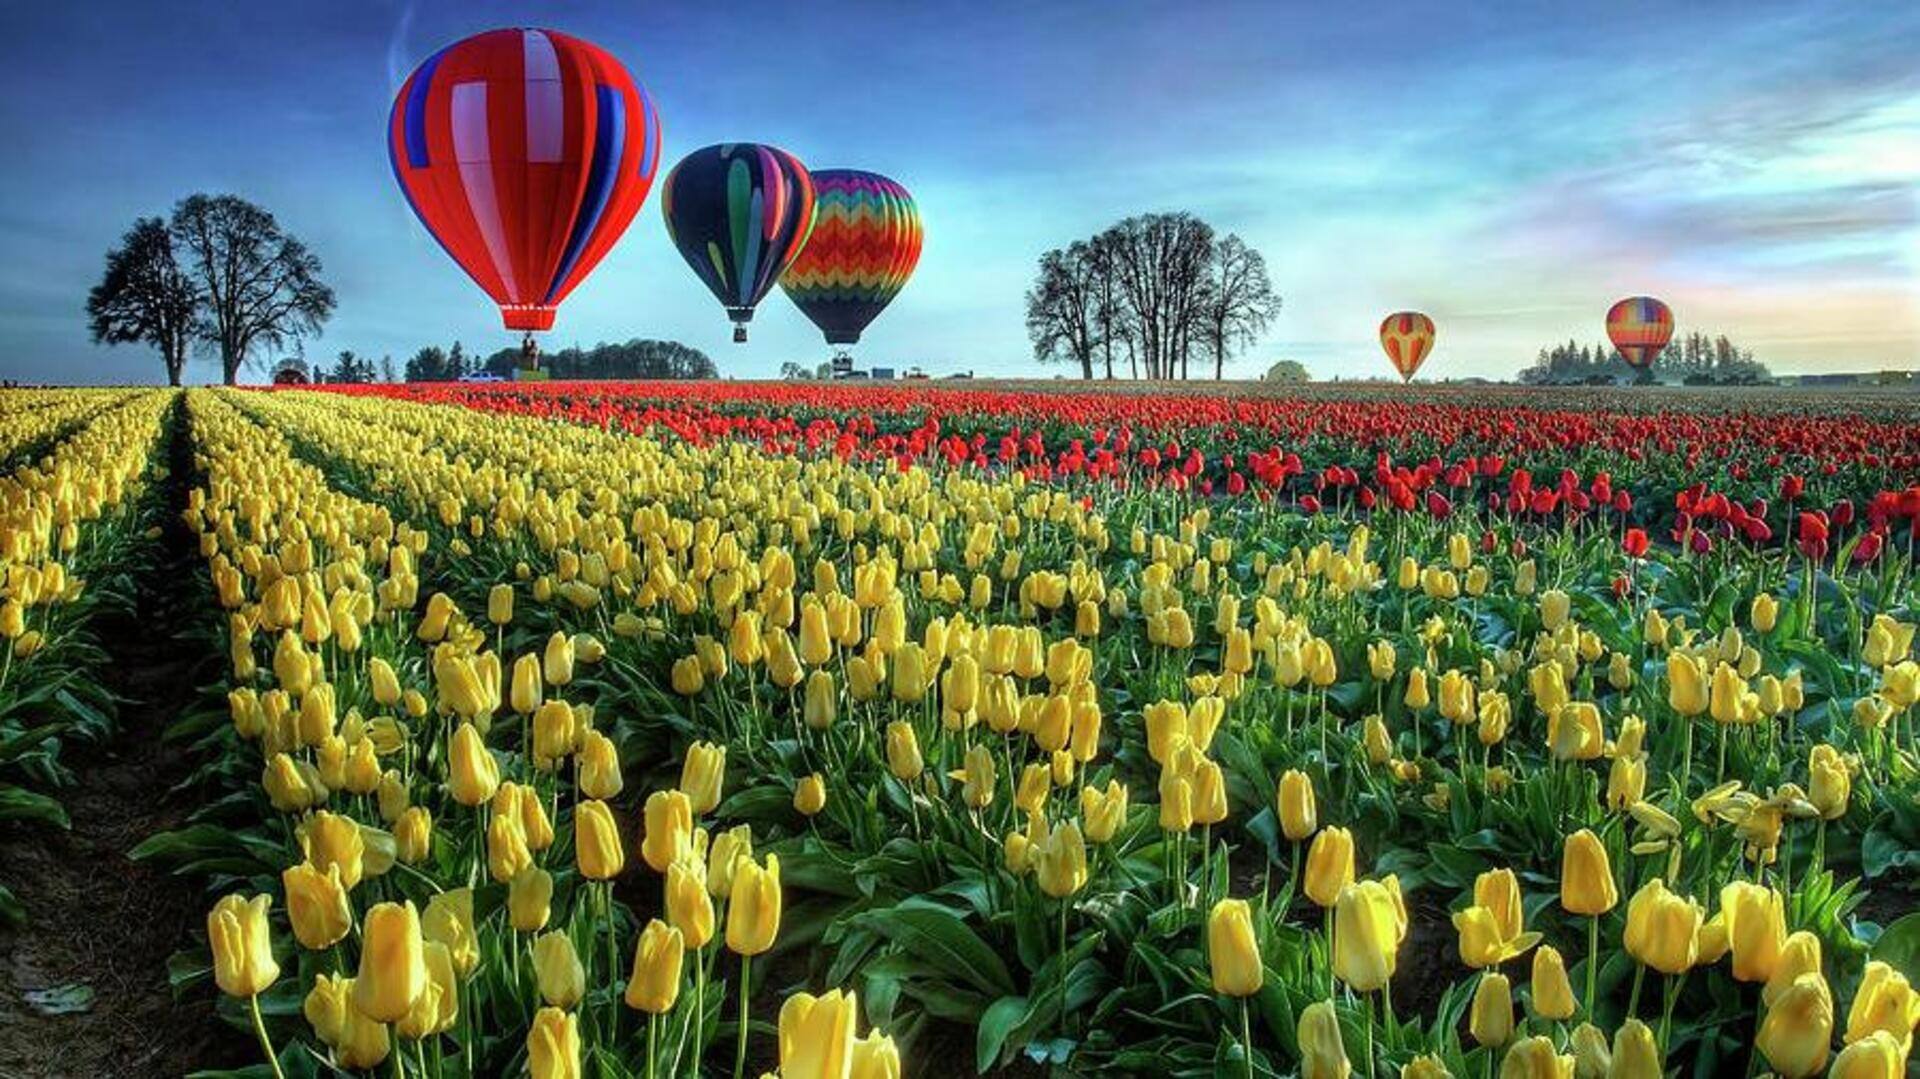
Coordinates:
[1366,1008]
[653,1044]
[1666,1014]
[260,1031]
[1246,1037]
[1593,961]
[1633,999]
[740,1042]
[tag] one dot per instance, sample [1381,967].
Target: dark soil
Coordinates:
[96,918]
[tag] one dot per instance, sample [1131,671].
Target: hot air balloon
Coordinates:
[740,213]
[1408,338]
[865,243]
[1639,326]
[525,153]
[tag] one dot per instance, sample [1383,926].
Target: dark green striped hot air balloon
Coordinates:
[740,213]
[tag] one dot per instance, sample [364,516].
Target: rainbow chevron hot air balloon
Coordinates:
[740,213]
[1408,338]
[1639,326]
[865,243]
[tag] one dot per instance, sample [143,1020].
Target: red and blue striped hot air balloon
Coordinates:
[1407,337]
[865,244]
[1639,326]
[526,153]
[740,213]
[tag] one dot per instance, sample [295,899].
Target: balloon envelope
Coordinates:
[1639,326]
[740,213]
[1407,336]
[526,153]
[865,244]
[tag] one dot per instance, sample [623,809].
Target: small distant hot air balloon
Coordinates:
[865,244]
[1639,326]
[740,213]
[1408,338]
[526,153]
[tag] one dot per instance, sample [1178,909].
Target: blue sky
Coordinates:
[1510,169]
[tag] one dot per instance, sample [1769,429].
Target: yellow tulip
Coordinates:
[689,905]
[1687,689]
[413,835]
[1322,1055]
[507,851]
[1885,1003]
[528,692]
[1329,866]
[1552,992]
[729,849]
[1233,951]
[820,702]
[1799,955]
[1586,876]
[1425,1066]
[1103,811]
[1592,1055]
[596,841]
[875,1057]
[654,985]
[393,969]
[1877,1056]
[1663,928]
[1535,1058]
[1060,863]
[530,900]
[810,794]
[364,1043]
[1491,1019]
[816,1036]
[1295,802]
[326,1006]
[1756,928]
[317,905]
[1797,1031]
[669,829]
[977,777]
[703,776]
[903,751]
[474,775]
[557,972]
[438,1005]
[599,761]
[1368,925]
[242,943]
[553,1045]
[753,916]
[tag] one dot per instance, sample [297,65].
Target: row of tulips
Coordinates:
[475,884]
[73,515]
[925,707]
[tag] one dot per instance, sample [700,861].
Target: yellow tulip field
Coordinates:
[639,730]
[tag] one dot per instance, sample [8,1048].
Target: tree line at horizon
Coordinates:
[1698,359]
[636,358]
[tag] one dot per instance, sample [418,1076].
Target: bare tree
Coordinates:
[1158,262]
[1236,301]
[1061,309]
[261,286]
[144,296]
[1109,313]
